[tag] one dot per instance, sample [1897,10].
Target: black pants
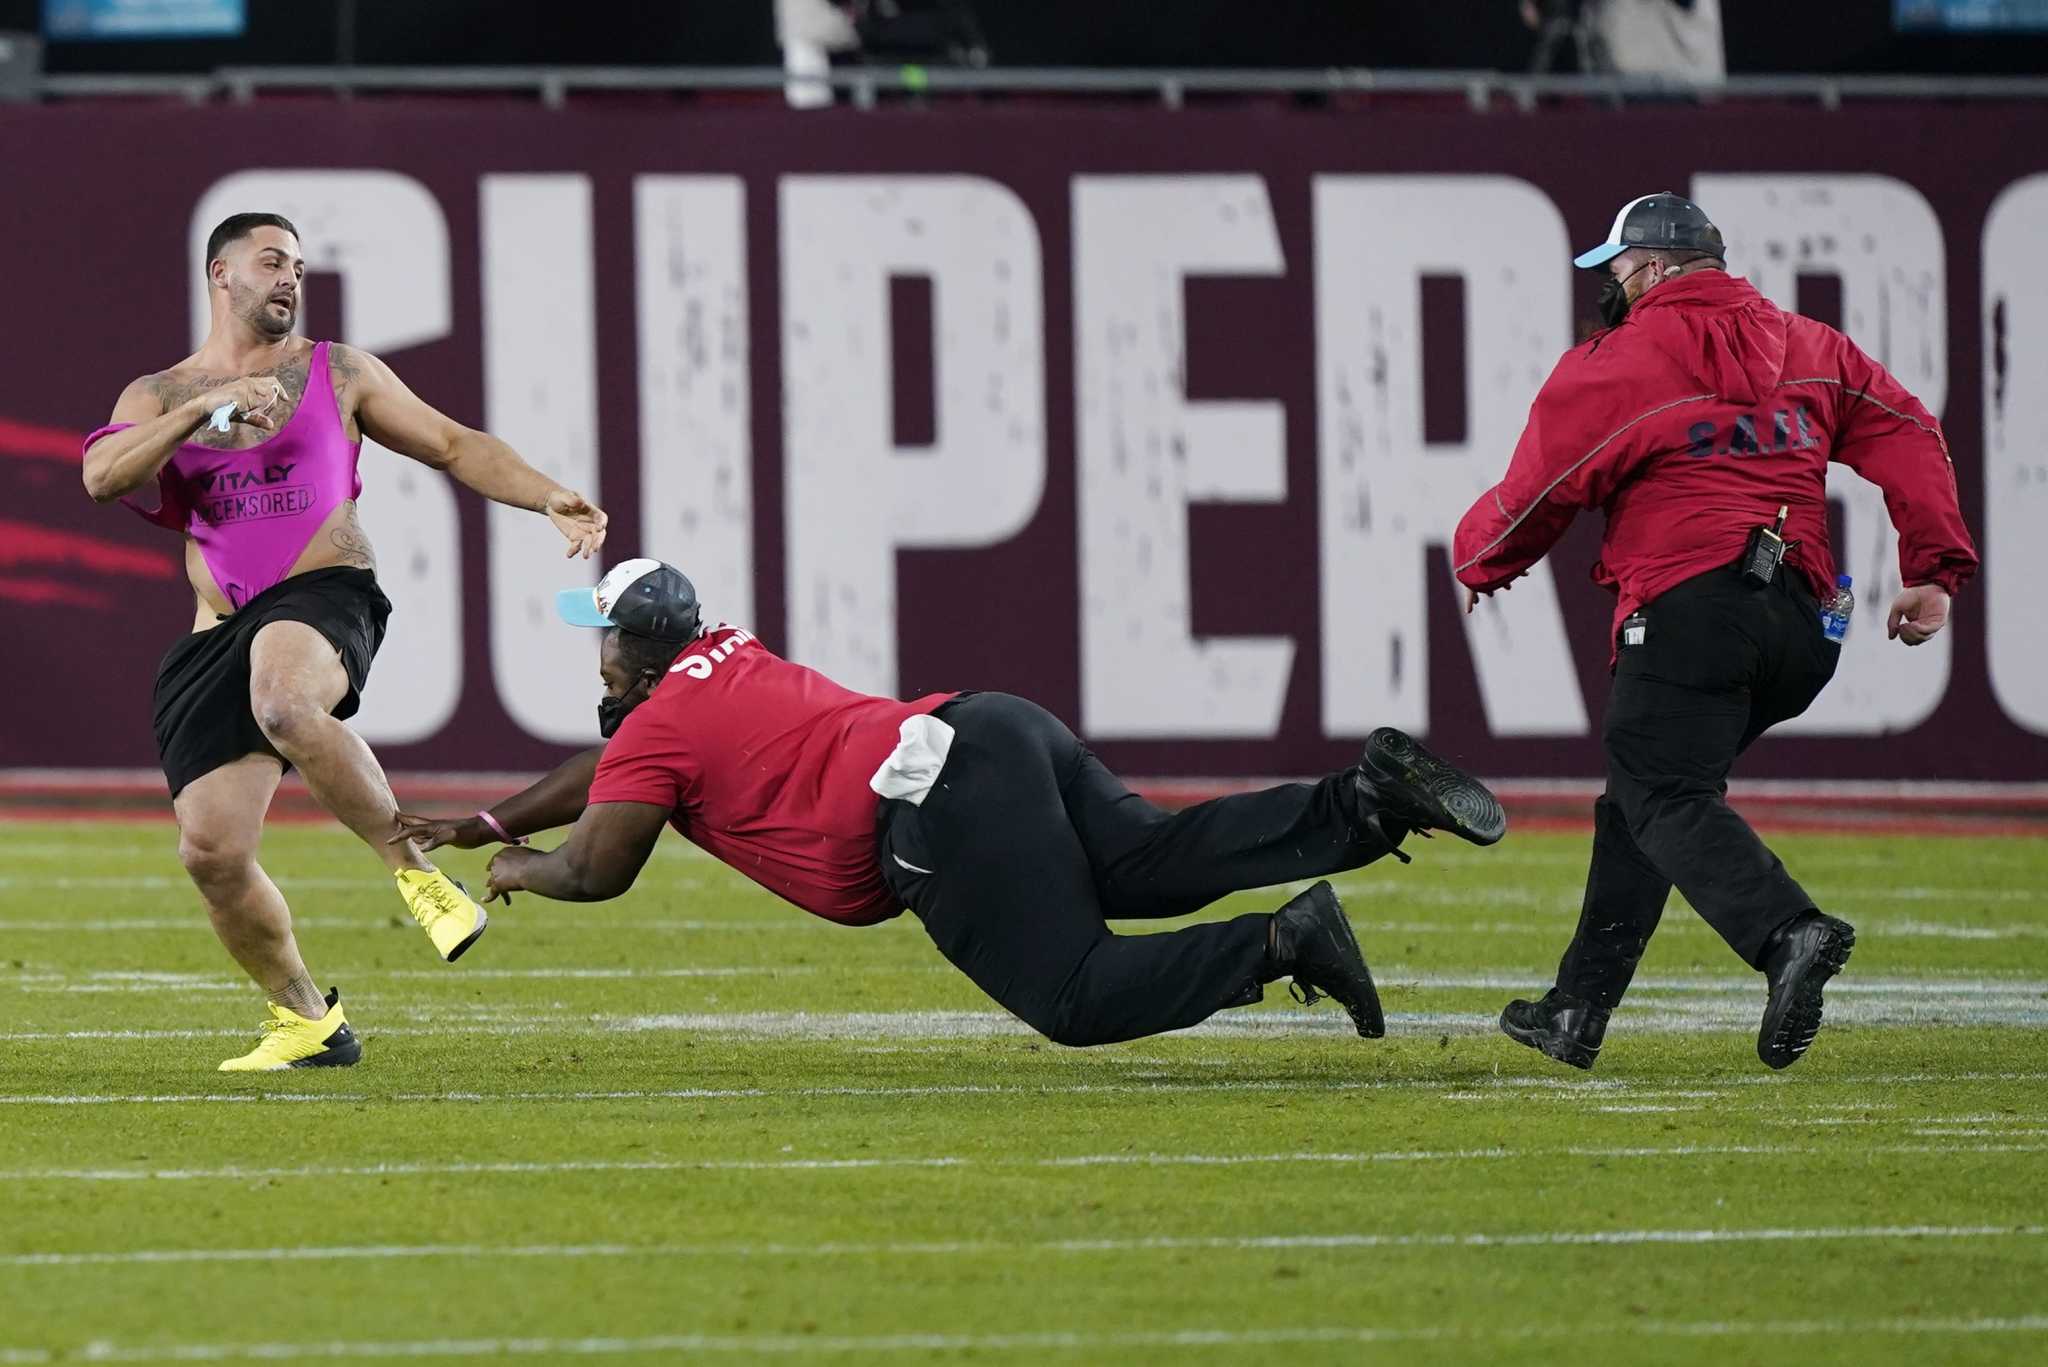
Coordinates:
[1720,663]
[1027,844]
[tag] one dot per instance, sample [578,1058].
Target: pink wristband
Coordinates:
[499,830]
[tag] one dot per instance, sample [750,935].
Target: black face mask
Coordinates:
[611,712]
[1614,296]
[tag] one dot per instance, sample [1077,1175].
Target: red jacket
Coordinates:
[1690,424]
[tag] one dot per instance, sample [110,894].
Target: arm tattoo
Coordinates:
[348,538]
[345,369]
[343,364]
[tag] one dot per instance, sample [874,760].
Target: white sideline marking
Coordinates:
[1738,1016]
[1085,1160]
[1965,983]
[1038,1341]
[187,982]
[1747,985]
[1941,930]
[1446,893]
[1646,1110]
[1737,1011]
[948,1247]
[796,920]
[1035,1342]
[1506,1087]
[159,882]
[724,971]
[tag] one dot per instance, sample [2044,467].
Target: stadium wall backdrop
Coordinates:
[1161,418]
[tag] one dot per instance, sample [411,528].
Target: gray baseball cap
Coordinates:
[1664,221]
[645,597]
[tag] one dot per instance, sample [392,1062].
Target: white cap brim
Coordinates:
[1613,246]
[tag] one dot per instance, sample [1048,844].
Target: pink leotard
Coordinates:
[251,512]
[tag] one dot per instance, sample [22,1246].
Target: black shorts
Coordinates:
[202,714]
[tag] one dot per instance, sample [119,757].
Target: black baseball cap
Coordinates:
[646,597]
[1663,221]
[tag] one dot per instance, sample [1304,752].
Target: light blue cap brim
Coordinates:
[1599,256]
[578,607]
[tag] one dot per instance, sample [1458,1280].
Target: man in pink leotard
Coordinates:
[251,443]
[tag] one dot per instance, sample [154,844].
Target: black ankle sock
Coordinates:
[1370,823]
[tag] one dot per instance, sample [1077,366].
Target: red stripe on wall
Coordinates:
[32,441]
[24,543]
[51,592]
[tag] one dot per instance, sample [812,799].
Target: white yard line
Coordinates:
[1653,1015]
[1732,1012]
[160,882]
[952,1247]
[1505,979]
[1036,1341]
[1090,1160]
[1943,930]
[795,920]
[1512,1088]
[1448,893]
[1408,889]
[181,982]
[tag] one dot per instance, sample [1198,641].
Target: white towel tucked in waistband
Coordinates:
[913,766]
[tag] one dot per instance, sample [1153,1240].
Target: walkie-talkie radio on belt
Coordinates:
[1765,552]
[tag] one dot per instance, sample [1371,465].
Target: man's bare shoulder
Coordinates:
[351,365]
[145,398]
[179,384]
[346,367]
[140,394]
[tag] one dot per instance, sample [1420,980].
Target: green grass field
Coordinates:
[698,1122]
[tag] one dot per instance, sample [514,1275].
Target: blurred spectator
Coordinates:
[21,61]
[810,31]
[1674,40]
[912,32]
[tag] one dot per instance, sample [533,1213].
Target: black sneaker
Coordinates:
[1800,960]
[1312,940]
[343,1050]
[1398,777]
[1559,1026]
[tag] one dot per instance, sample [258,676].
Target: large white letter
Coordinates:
[854,496]
[1895,306]
[1146,453]
[696,435]
[2015,451]
[540,394]
[1387,495]
[385,236]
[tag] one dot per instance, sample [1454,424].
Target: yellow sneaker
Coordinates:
[291,1041]
[444,910]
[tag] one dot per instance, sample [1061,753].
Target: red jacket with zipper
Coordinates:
[1691,423]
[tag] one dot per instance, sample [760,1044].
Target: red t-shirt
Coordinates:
[765,766]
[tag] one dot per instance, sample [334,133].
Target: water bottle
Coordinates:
[1834,617]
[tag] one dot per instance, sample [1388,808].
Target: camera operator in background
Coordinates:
[1675,40]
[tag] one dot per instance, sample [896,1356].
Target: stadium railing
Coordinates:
[867,86]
